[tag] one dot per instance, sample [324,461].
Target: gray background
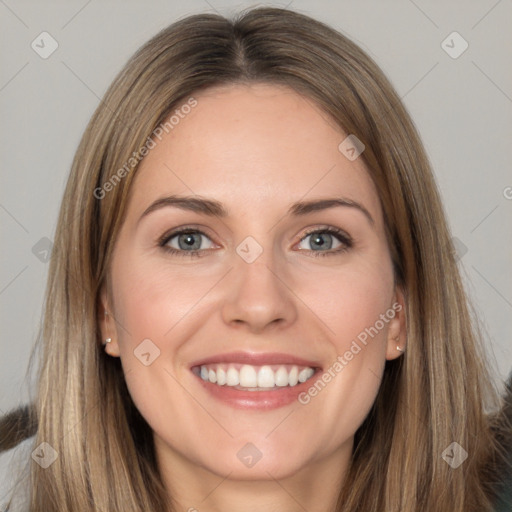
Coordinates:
[462,107]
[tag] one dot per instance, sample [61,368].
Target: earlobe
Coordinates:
[397,331]
[110,341]
[107,325]
[102,312]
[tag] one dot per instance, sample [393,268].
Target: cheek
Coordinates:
[349,300]
[151,300]
[154,307]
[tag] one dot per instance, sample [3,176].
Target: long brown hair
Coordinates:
[431,397]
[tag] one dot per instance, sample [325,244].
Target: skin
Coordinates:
[256,149]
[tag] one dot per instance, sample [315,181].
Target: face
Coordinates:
[251,295]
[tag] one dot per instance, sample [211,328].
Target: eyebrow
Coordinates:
[214,208]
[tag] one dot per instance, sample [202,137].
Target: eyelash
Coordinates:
[338,233]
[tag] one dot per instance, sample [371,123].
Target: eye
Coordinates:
[186,242]
[192,242]
[326,241]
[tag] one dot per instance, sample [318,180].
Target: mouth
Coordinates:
[254,378]
[255,381]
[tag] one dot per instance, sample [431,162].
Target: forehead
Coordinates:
[247,143]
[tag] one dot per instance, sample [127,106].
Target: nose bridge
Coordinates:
[257,295]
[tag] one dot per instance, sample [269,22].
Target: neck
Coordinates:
[193,488]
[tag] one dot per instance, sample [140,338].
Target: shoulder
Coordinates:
[504,437]
[503,501]
[14,474]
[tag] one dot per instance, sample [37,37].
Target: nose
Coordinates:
[257,296]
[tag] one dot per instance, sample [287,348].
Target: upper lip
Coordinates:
[257,359]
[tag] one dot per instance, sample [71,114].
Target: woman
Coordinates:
[257,371]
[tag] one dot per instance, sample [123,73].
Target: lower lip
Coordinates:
[256,400]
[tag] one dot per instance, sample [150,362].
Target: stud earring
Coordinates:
[399,348]
[107,340]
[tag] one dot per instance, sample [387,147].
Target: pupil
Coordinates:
[320,242]
[188,241]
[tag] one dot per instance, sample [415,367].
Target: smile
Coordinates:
[257,381]
[254,378]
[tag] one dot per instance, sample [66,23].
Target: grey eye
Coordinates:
[321,240]
[190,241]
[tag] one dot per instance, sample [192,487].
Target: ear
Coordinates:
[397,333]
[107,324]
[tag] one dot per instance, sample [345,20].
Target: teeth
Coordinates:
[255,377]
[233,377]
[293,376]
[248,377]
[281,377]
[266,377]
[304,375]
[221,377]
